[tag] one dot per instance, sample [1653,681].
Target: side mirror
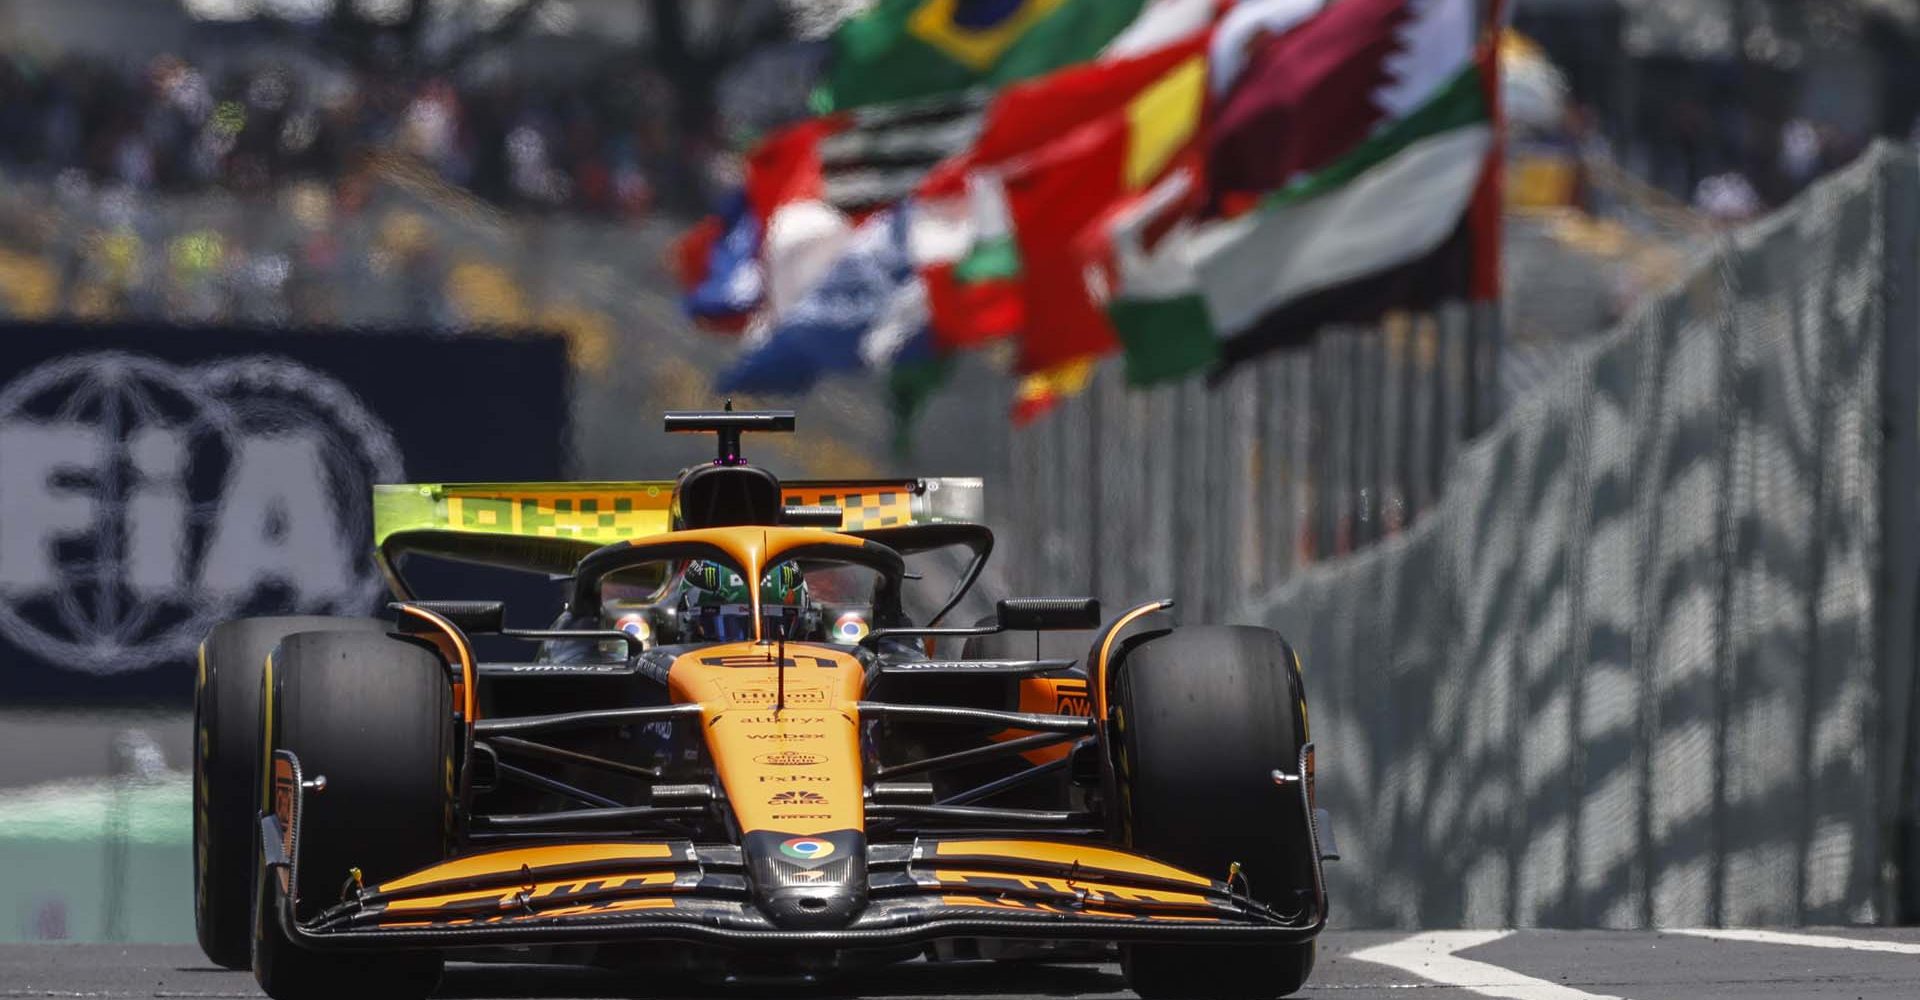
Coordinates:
[1048,614]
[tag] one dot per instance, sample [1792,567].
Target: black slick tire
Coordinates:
[226,737]
[373,714]
[1203,716]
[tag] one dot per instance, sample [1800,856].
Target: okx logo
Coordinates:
[141,502]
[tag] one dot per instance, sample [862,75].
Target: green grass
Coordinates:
[97,861]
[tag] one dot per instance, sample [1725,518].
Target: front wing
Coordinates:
[926,890]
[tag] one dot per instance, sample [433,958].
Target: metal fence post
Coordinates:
[1899,584]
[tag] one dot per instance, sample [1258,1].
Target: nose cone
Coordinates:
[813,882]
[826,908]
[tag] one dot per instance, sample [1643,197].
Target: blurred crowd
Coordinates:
[1732,162]
[1726,163]
[611,145]
[282,185]
[1730,108]
[384,251]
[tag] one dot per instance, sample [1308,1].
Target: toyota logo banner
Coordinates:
[155,481]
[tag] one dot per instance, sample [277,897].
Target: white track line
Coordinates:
[1800,940]
[1431,956]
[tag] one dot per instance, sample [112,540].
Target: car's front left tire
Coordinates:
[1202,717]
[373,715]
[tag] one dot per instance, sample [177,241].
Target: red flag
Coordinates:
[1029,115]
[1054,194]
[692,252]
[1070,185]
[968,314]
[1024,121]
[962,314]
[785,167]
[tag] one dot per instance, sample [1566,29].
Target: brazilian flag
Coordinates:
[904,49]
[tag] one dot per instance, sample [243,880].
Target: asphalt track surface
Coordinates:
[1863,964]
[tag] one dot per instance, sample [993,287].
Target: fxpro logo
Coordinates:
[141,502]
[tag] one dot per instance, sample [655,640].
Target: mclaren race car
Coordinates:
[749,749]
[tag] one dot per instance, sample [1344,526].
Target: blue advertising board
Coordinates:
[157,480]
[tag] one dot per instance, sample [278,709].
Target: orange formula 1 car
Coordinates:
[744,751]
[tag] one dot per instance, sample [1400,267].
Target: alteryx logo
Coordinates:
[141,502]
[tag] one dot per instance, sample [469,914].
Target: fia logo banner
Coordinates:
[141,502]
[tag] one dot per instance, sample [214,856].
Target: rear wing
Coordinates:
[604,513]
[549,527]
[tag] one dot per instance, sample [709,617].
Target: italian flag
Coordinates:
[1342,160]
[1054,156]
[1098,131]
[972,292]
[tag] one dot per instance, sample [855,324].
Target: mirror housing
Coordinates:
[471,617]
[1048,614]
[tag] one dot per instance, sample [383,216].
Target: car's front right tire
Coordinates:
[226,775]
[372,714]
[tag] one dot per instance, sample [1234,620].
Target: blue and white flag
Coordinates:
[734,285]
[864,292]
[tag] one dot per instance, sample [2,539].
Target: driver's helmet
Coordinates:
[716,605]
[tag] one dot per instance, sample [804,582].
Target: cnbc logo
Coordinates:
[142,501]
[799,798]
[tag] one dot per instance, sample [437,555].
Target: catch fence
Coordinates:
[1207,493]
[1645,660]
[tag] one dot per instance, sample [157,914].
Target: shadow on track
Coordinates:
[912,979]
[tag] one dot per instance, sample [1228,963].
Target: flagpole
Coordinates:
[1484,231]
